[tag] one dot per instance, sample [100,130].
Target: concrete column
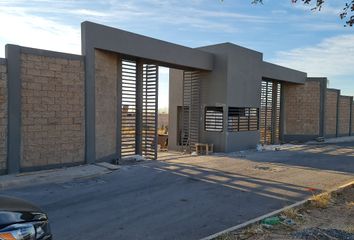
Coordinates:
[282,114]
[225,126]
[351,117]
[323,90]
[337,120]
[274,110]
[90,106]
[119,109]
[157,112]
[13,55]
[139,108]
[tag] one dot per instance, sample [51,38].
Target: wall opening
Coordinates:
[149,111]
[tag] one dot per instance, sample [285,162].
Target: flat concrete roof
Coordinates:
[276,72]
[268,70]
[135,45]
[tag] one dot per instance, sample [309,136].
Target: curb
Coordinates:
[255,220]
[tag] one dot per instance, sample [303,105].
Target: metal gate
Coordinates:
[190,109]
[270,112]
[128,126]
[149,111]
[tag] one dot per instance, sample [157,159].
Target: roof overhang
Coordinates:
[276,72]
[96,36]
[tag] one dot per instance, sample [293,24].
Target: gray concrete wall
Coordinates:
[243,90]
[244,77]
[175,100]
[214,93]
[3,116]
[106,64]
[237,141]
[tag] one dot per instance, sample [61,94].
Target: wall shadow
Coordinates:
[331,157]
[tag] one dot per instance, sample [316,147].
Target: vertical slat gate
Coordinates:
[128,128]
[277,113]
[270,112]
[190,109]
[150,111]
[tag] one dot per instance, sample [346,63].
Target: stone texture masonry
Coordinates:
[302,108]
[344,115]
[3,117]
[352,129]
[331,113]
[106,103]
[52,111]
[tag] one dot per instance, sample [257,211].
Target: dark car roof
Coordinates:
[17,205]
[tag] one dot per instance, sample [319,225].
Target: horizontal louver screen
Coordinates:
[243,119]
[214,119]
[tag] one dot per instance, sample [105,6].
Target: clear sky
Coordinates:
[288,34]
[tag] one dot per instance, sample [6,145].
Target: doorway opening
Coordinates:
[139,111]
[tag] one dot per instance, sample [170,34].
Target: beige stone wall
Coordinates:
[3,117]
[344,115]
[331,112]
[106,103]
[52,111]
[302,108]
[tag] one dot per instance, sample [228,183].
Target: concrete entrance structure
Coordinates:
[61,109]
[234,82]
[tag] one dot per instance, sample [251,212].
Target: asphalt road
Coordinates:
[188,197]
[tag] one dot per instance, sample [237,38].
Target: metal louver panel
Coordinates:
[150,111]
[128,128]
[270,112]
[190,109]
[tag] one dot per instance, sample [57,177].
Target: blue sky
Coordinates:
[288,34]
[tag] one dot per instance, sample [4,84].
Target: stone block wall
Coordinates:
[302,108]
[52,111]
[3,116]
[331,112]
[344,115]
[352,128]
[106,65]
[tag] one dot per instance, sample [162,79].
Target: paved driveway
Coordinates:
[182,197]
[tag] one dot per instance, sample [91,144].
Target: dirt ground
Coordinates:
[327,216]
